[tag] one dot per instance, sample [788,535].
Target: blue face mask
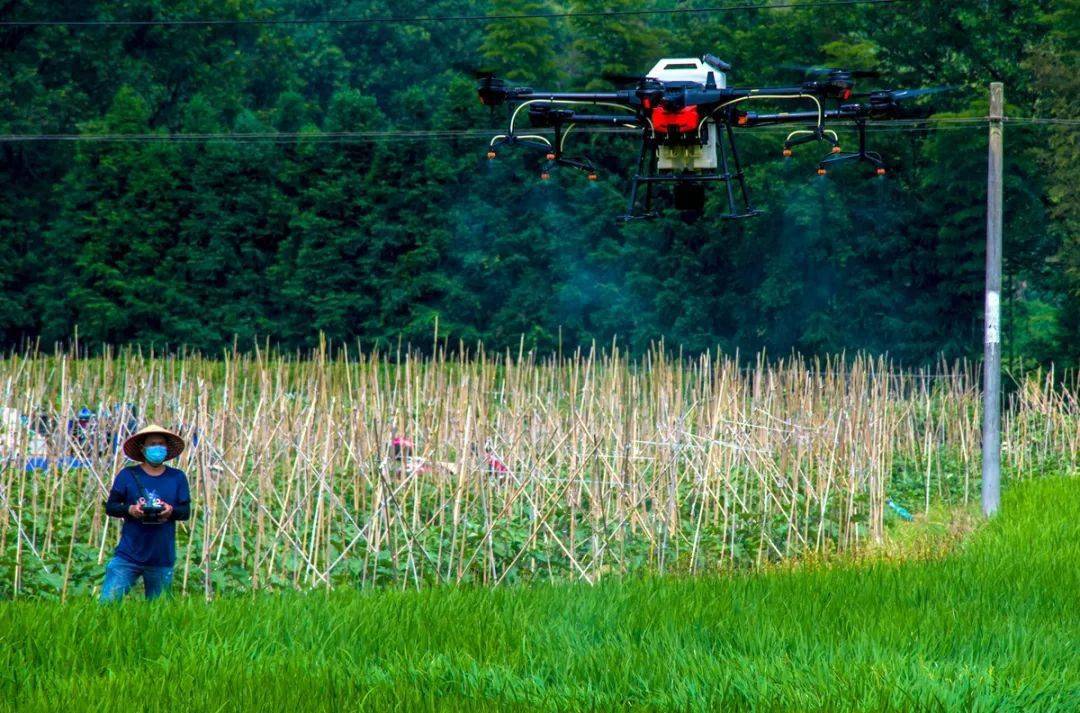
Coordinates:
[155,455]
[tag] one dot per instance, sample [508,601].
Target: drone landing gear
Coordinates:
[689,187]
[871,157]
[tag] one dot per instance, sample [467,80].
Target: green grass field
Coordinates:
[993,624]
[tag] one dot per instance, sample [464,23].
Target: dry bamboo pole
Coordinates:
[603,453]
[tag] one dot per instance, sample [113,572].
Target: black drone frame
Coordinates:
[689,187]
[714,108]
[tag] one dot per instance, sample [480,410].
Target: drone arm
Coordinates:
[774,91]
[580,97]
[751,118]
[819,116]
[601,119]
[754,119]
[494,92]
[546,101]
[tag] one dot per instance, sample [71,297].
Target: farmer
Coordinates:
[150,497]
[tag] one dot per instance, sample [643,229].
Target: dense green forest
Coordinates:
[201,242]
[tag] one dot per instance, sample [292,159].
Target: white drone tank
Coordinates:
[689,158]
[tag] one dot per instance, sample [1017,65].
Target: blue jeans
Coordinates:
[120,577]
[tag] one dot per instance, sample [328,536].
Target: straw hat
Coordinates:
[133,446]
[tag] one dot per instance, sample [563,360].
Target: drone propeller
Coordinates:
[820,71]
[629,80]
[617,78]
[858,73]
[473,71]
[891,103]
[901,94]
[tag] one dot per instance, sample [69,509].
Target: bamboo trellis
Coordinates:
[609,465]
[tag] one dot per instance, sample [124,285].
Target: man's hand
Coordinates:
[167,512]
[136,511]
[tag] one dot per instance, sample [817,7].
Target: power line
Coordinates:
[1041,120]
[288,137]
[926,124]
[358,136]
[434,19]
[269,136]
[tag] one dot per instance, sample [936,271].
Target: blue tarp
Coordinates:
[42,463]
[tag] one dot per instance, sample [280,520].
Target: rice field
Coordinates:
[509,467]
[987,624]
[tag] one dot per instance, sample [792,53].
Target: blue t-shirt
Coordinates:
[146,543]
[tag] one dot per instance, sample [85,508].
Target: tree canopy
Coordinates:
[202,242]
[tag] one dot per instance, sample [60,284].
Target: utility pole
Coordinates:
[991,429]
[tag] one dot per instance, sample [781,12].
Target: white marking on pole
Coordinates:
[993,317]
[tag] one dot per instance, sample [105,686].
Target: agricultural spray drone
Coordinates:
[687,115]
